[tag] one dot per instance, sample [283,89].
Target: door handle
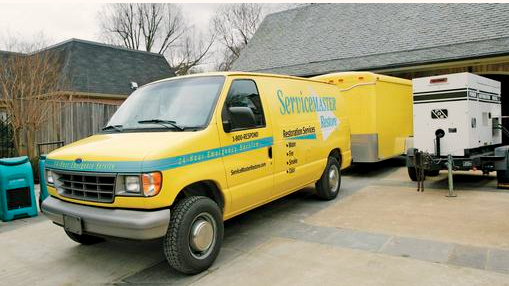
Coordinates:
[270,152]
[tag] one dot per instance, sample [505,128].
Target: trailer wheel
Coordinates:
[194,236]
[84,239]
[432,173]
[502,179]
[412,173]
[327,187]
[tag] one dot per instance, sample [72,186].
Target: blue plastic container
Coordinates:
[17,198]
[43,194]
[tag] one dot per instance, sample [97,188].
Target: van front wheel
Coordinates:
[194,236]
[327,188]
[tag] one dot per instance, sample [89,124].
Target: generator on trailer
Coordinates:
[458,115]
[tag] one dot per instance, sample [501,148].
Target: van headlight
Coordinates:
[49,177]
[147,185]
[132,184]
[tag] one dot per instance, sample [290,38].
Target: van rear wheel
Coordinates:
[194,236]
[327,187]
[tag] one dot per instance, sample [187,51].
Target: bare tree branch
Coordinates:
[155,27]
[192,51]
[235,24]
[29,85]
[175,28]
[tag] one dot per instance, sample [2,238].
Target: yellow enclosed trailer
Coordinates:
[379,109]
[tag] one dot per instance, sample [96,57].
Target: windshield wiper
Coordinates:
[162,122]
[116,127]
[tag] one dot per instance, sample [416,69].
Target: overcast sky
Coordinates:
[57,22]
[62,21]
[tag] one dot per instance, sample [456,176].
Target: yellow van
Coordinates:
[182,155]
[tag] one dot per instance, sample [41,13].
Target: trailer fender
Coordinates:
[410,157]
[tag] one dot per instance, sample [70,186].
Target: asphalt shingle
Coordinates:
[102,69]
[91,67]
[323,38]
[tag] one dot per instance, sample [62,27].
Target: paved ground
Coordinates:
[379,232]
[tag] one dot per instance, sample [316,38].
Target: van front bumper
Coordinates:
[131,224]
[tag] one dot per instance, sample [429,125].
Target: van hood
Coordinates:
[123,152]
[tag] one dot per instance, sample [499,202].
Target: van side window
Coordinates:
[243,107]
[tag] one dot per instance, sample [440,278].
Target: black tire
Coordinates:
[412,173]
[432,173]
[84,239]
[323,188]
[178,247]
[502,179]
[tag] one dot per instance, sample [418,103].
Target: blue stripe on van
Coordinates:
[302,137]
[160,164]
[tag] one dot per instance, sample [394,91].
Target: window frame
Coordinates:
[259,95]
[187,129]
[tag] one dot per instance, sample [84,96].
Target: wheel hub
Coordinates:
[333,178]
[202,235]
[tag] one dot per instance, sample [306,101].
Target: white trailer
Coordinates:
[458,115]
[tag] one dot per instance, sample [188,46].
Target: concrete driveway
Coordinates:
[380,231]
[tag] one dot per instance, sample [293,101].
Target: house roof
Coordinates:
[322,38]
[4,55]
[96,68]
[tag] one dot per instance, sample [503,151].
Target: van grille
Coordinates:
[95,187]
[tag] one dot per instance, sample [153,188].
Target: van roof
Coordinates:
[238,73]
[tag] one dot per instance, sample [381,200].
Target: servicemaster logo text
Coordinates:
[304,104]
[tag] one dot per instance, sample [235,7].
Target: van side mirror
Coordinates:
[241,117]
[227,126]
[238,117]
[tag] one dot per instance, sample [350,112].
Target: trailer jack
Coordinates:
[419,170]
[450,164]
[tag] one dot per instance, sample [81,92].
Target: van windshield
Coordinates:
[175,105]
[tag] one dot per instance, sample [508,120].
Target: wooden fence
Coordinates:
[72,121]
[6,144]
